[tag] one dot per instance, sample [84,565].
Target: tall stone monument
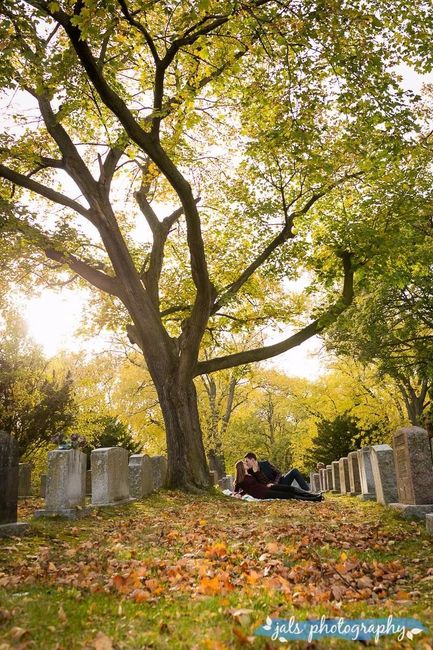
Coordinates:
[159,471]
[336,477]
[140,476]
[9,458]
[315,482]
[368,490]
[24,479]
[329,482]
[354,478]
[110,476]
[344,475]
[414,469]
[65,492]
[385,482]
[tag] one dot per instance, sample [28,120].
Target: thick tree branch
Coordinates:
[86,271]
[315,327]
[284,235]
[42,190]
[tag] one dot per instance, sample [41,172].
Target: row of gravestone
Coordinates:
[400,476]
[116,478]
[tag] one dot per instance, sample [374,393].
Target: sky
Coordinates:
[54,317]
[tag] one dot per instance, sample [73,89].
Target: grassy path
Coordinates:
[177,571]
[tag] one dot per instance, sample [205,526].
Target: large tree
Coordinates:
[242,116]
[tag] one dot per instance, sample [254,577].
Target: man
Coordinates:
[267,473]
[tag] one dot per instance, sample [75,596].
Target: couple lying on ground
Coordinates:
[264,481]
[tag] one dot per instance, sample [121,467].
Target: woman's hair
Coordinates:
[239,474]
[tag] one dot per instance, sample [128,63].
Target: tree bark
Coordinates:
[187,468]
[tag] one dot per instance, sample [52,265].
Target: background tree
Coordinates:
[304,102]
[336,438]
[34,403]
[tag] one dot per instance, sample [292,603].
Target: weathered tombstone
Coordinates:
[322,479]
[315,482]
[9,458]
[382,464]
[226,483]
[43,488]
[429,522]
[66,485]
[213,477]
[336,477]
[140,476]
[159,471]
[344,475]
[368,490]
[88,483]
[329,477]
[354,478]
[414,470]
[24,479]
[110,476]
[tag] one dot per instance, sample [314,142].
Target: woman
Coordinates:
[250,485]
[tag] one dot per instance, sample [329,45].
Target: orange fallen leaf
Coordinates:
[140,595]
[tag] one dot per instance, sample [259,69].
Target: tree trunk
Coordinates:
[187,466]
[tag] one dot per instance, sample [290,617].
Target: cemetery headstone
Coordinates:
[88,483]
[322,479]
[140,476]
[368,490]
[24,479]
[336,477]
[354,478]
[213,477]
[43,487]
[159,471]
[315,482]
[227,483]
[414,470]
[329,477]
[9,458]
[382,464]
[65,492]
[429,522]
[110,476]
[344,475]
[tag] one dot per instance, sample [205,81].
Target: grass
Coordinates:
[185,572]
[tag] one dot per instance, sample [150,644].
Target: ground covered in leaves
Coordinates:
[180,571]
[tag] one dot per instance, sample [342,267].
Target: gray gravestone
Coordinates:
[344,475]
[368,491]
[354,478]
[140,476]
[322,479]
[9,458]
[315,482]
[414,470]
[24,479]
[43,488]
[329,477]
[110,476]
[213,477]
[429,522]
[88,483]
[336,477]
[159,471]
[382,464]
[226,483]
[65,492]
